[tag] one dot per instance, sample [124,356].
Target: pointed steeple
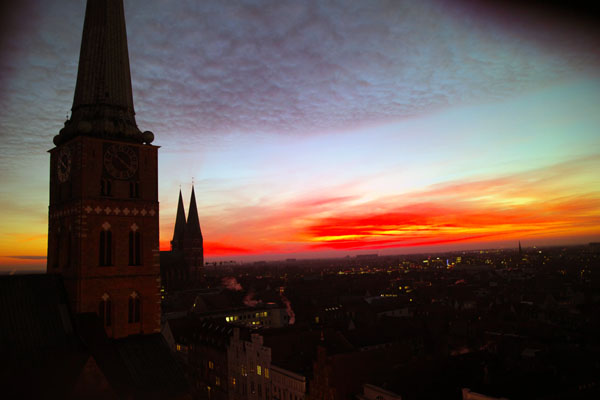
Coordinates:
[103,101]
[179,231]
[192,228]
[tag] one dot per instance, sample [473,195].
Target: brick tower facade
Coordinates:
[103,215]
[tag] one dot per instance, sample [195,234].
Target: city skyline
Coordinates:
[314,130]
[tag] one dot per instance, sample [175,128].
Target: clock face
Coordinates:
[120,161]
[63,167]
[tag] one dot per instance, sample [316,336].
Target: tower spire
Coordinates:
[192,228]
[179,231]
[103,101]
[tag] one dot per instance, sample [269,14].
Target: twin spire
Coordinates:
[103,101]
[186,230]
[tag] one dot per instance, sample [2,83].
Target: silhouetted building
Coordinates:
[103,216]
[183,266]
[90,327]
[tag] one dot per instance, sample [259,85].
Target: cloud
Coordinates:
[554,201]
[537,202]
[27,257]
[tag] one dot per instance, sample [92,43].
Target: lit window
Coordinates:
[233,381]
[217,381]
[178,347]
[244,373]
[267,373]
[211,365]
[258,370]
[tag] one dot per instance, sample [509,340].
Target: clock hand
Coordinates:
[120,159]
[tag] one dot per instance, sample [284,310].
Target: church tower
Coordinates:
[103,214]
[193,242]
[179,231]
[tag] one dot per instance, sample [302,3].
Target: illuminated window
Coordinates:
[233,381]
[244,373]
[267,373]
[178,347]
[211,365]
[258,370]
[217,381]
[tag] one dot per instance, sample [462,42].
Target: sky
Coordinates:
[327,128]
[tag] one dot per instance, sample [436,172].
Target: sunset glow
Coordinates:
[316,130]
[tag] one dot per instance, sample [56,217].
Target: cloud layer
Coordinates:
[209,75]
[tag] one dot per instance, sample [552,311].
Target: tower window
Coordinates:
[105,187]
[134,189]
[105,253]
[134,308]
[135,246]
[104,310]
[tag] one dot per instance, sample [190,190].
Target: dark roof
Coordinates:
[44,348]
[34,315]
[152,367]
[37,340]
[208,332]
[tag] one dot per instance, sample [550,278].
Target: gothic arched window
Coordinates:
[134,308]
[105,253]
[135,246]
[105,310]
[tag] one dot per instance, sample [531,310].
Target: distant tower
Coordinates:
[193,242]
[520,250]
[103,214]
[179,231]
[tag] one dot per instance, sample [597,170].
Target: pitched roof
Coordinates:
[37,340]
[34,315]
[151,365]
